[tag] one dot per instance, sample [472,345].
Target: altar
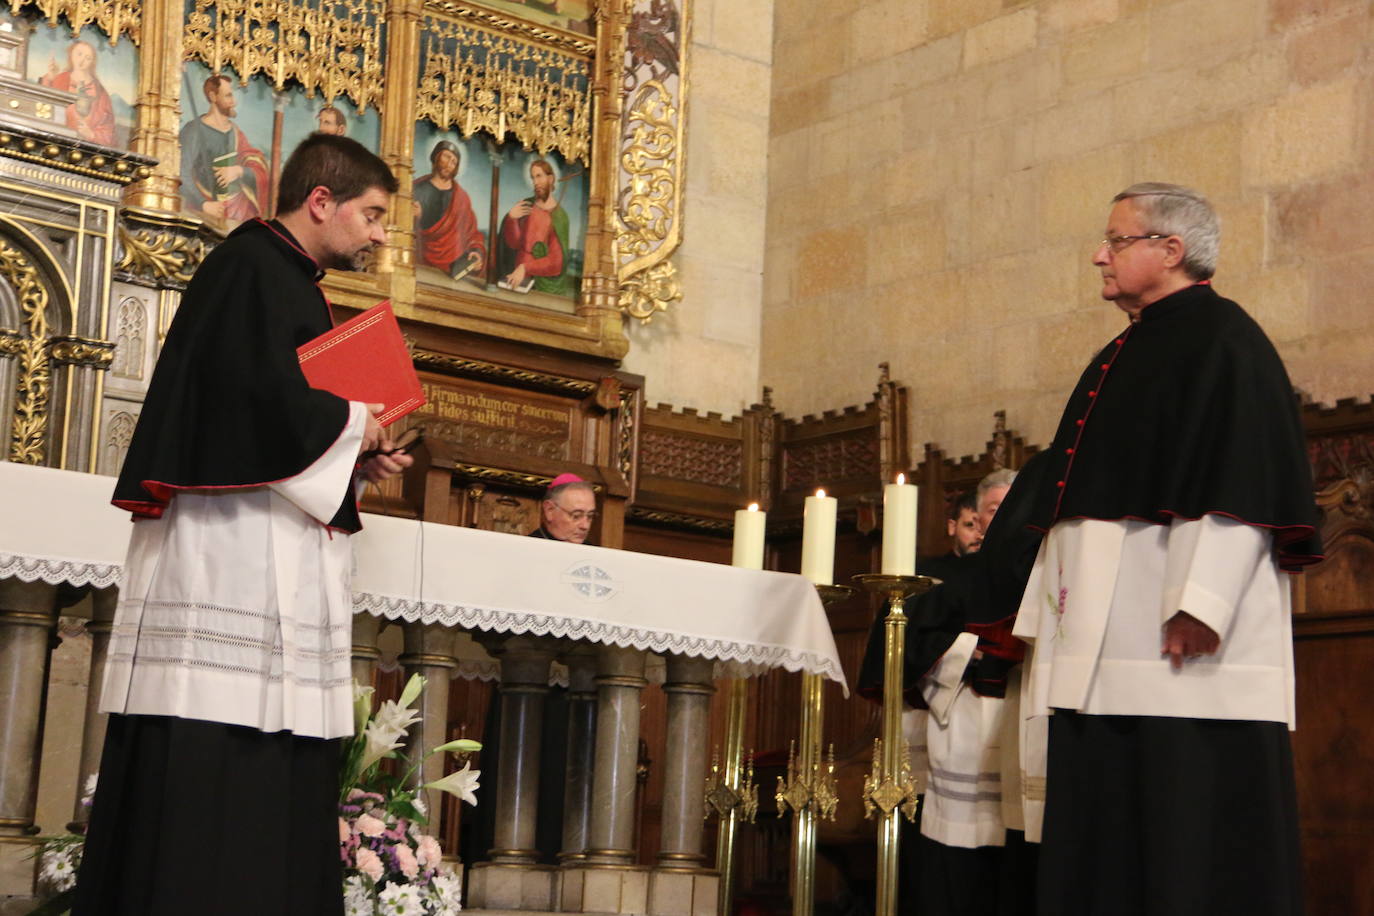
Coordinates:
[603,613]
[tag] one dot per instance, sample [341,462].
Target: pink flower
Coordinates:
[344,831]
[369,864]
[405,861]
[429,851]
[369,825]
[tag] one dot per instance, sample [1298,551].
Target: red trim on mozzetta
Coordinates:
[163,492]
[1083,420]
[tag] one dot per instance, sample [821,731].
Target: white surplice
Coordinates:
[235,605]
[1097,601]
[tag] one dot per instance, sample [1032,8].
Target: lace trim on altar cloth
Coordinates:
[738,659]
[55,572]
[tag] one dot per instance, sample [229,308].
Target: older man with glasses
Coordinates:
[568,510]
[1179,495]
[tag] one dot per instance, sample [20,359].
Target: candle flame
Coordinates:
[901,479]
[753,507]
[820,494]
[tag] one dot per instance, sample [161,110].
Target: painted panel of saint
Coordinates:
[234,139]
[103,78]
[573,15]
[499,219]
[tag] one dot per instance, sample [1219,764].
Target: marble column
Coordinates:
[577,787]
[619,681]
[103,603]
[689,690]
[429,653]
[524,688]
[367,630]
[28,617]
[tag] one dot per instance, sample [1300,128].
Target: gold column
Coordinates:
[600,286]
[734,764]
[889,787]
[396,259]
[159,107]
[804,825]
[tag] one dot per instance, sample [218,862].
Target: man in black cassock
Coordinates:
[228,678]
[1158,607]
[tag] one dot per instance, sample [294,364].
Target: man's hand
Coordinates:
[372,433]
[384,466]
[520,210]
[1186,637]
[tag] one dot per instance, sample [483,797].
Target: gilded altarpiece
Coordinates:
[133,137]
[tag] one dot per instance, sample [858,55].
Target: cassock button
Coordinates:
[1092,394]
[1106,366]
[1068,451]
[1120,341]
[1078,422]
[1060,484]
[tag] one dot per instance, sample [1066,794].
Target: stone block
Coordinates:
[1001,217]
[744,29]
[1075,194]
[634,891]
[1204,30]
[1329,48]
[736,160]
[1280,299]
[670,893]
[1206,156]
[1285,14]
[510,887]
[1340,303]
[799,107]
[1244,227]
[1000,38]
[705,893]
[1104,56]
[1308,134]
[906,243]
[831,259]
[1315,220]
[949,16]
[814,56]
[930,62]
[18,866]
[886,28]
[727,80]
[1007,146]
[1063,17]
[1076,127]
[1018,88]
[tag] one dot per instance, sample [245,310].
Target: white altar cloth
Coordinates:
[59,526]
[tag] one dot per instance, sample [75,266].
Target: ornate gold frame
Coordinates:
[635,160]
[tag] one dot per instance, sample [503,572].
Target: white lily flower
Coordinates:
[384,733]
[412,690]
[462,784]
[362,706]
[459,746]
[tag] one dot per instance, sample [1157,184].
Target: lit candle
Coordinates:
[818,538]
[749,527]
[899,528]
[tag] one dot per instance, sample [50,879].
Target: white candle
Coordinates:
[818,538]
[899,528]
[749,528]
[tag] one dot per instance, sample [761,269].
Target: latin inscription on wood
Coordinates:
[464,412]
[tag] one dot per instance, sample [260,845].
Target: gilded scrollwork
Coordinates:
[114,17]
[81,351]
[330,47]
[649,209]
[28,435]
[151,254]
[476,368]
[475,79]
[569,42]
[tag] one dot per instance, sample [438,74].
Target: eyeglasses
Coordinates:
[1119,243]
[576,515]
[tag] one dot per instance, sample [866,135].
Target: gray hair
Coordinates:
[1002,477]
[1170,209]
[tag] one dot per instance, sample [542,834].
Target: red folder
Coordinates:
[365,359]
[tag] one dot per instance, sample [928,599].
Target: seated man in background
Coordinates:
[567,511]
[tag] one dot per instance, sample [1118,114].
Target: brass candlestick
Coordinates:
[809,788]
[731,793]
[890,787]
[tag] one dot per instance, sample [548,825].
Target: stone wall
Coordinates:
[704,352]
[940,172]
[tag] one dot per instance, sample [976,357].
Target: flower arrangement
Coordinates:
[390,866]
